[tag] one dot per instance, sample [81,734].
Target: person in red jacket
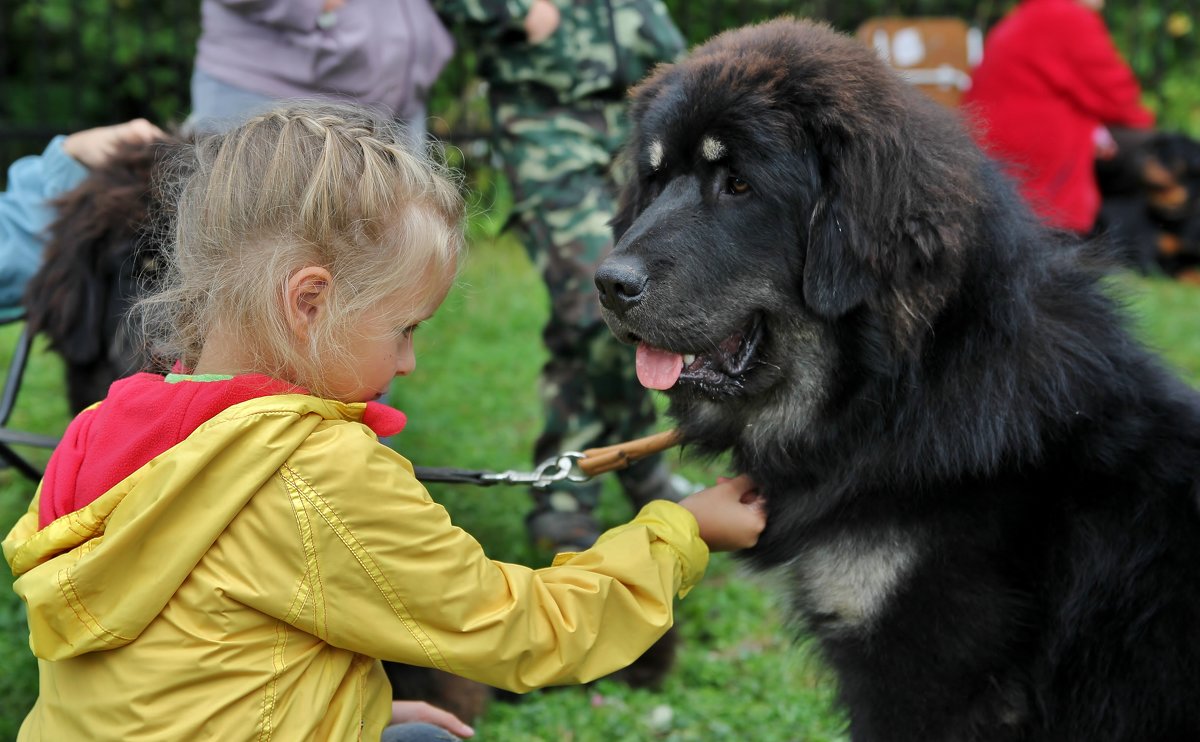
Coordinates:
[1050,82]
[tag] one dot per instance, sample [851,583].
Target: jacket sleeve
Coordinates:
[379,569]
[1097,79]
[25,214]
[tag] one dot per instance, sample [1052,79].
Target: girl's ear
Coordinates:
[307,292]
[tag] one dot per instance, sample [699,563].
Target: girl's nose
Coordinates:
[406,361]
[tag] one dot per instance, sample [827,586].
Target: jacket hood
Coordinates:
[84,574]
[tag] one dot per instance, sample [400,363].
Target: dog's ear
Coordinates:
[860,236]
[835,279]
[892,241]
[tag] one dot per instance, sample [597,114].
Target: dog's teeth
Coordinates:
[688,359]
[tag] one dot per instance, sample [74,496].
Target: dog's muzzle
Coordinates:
[622,282]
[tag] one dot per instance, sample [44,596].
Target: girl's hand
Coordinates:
[731,514]
[407,711]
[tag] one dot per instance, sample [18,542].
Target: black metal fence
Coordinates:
[69,64]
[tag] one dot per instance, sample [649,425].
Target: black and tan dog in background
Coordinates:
[1150,205]
[983,493]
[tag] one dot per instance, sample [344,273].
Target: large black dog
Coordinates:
[982,490]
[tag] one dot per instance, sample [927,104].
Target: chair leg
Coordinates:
[8,399]
[16,370]
[16,461]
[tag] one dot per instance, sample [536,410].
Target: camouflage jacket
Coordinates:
[601,47]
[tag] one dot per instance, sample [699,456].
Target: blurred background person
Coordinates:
[557,73]
[1050,82]
[381,53]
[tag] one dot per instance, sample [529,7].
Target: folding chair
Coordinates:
[8,399]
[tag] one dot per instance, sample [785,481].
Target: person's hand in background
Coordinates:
[95,147]
[1106,146]
[541,21]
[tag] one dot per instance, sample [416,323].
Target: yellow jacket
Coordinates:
[242,585]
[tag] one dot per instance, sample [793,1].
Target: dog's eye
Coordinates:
[735,186]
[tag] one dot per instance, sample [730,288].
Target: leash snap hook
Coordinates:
[559,469]
[556,469]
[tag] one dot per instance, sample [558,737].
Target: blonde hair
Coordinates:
[306,184]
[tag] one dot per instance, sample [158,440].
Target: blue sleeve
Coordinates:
[25,214]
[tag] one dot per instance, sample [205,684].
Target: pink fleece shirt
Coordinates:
[143,416]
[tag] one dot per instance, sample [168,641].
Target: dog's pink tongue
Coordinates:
[657,368]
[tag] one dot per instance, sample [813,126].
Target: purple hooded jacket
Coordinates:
[385,53]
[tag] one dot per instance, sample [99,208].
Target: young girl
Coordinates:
[227,554]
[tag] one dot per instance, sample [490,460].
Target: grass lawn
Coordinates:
[742,674]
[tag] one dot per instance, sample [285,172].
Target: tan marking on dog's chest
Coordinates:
[847,582]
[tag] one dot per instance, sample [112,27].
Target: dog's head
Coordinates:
[1173,197]
[784,181]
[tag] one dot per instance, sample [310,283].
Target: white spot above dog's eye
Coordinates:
[712,149]
[655,154]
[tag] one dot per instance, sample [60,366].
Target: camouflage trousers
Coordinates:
[560,163]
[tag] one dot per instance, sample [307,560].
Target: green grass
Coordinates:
[742,673]
[1167,316]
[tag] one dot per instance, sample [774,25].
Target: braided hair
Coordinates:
[305,184]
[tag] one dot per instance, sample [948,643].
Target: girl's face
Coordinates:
[382,351]
[382,354]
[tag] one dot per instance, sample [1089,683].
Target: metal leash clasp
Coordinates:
[557,469]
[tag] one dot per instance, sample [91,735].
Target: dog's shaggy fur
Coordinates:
[982,490]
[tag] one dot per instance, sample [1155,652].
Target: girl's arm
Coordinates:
[366,561]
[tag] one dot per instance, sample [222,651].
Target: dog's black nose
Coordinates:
[621,281]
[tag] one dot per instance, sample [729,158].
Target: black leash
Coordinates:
[449,475]
[571,466]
